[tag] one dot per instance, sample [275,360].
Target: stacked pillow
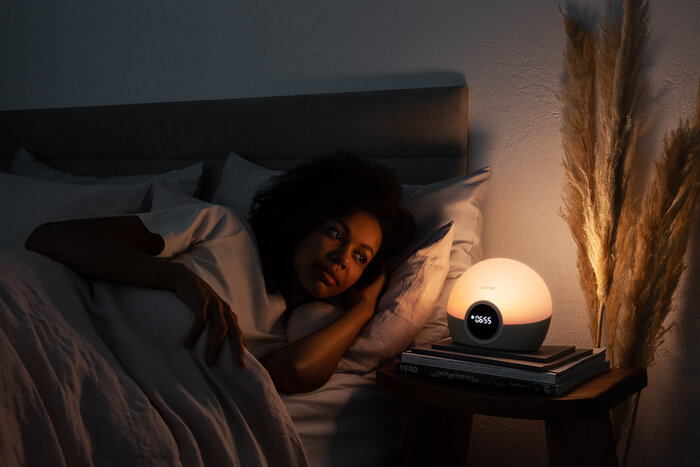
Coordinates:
[457,200]
[29,202]
[34,193]
[185,180]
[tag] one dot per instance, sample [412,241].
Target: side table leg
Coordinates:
[436,437]
[586,442]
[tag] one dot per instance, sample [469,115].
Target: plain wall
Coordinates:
[510,53]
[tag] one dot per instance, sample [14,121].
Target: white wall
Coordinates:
[79,53]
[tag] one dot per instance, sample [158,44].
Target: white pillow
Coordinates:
[185,179]
[29,202]
[457,199]
[164,197]
[240,180]
[414,287]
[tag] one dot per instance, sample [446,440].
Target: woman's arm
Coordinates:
[306,364]
[122,249]
[116,249]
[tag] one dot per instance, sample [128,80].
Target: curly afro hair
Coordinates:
[296,202]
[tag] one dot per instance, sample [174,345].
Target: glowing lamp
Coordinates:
[500,303]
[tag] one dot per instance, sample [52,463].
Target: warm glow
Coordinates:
[515,289]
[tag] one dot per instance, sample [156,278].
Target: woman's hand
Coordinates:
[366,292]
[208,306]
[300,366]
[121,249]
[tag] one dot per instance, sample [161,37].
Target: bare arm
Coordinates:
[306,364]
[121,249]
[116,249]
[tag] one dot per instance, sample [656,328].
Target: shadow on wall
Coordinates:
[686,374]
[477,151]
[588,15]
[350,83]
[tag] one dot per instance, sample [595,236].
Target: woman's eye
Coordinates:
[361,258]
[335,234]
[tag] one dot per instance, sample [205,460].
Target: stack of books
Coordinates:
[552,369]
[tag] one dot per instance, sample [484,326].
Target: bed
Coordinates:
[114,160]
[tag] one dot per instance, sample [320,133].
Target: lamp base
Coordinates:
[514,337]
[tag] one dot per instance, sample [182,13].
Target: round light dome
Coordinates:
[500,303]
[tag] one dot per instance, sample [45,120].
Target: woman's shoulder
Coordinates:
[183,225]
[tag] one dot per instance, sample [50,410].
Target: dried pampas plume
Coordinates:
[578,130]
[660,243]
[622,53]
[629,259]
[598,151]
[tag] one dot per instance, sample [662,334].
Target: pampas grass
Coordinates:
[630,259]
[597,158]
[655,260]
[660,242]
[622,53]
[578,132]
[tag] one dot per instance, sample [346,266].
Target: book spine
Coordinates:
[479,368]
[466,377]
[546,377]
[513,362]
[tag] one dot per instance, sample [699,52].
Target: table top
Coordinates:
[591,398]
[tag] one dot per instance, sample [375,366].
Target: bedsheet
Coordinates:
[349,422]
[84,380]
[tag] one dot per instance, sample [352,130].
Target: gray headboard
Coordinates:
[421,133]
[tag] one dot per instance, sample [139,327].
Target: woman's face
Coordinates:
[333,256]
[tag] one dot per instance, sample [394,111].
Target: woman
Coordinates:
[322,228]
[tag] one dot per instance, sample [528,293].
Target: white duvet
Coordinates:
[87,378]
[93,373]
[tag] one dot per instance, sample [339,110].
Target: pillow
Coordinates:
[29,202]
[457,199]
[164,197]
[239,182]
[403,309]
[185,179]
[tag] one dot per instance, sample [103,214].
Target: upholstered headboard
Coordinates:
[421,133]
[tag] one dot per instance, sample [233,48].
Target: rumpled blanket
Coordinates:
[86,378]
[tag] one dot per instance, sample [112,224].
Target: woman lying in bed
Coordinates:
[323,230]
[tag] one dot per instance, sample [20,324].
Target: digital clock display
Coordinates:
[483,321]
[478,319]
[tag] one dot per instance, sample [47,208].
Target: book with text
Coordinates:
[503,382]
[511,361]
[553,375]
[544,354]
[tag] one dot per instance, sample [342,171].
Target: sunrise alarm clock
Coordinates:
[499,303]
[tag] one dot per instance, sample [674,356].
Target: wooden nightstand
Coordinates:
[441,416]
